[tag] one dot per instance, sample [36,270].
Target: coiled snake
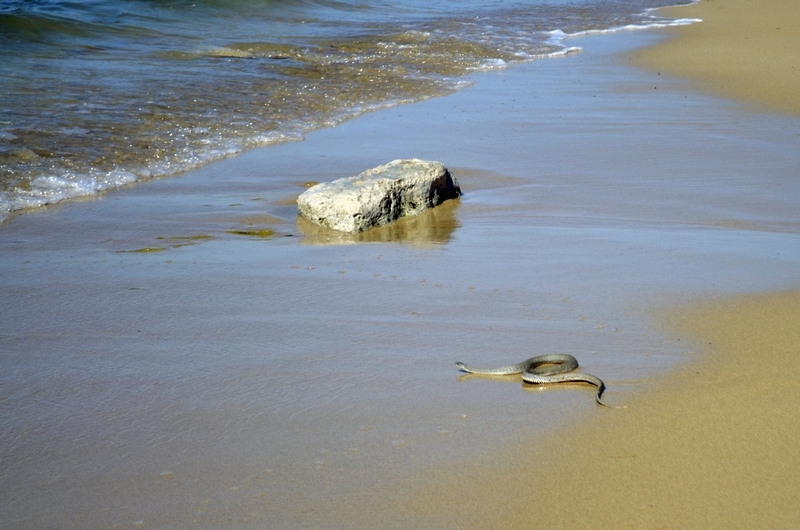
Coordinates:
[554,371]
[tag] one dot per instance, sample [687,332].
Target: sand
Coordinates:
[744,50]
[302,380]
[713,445]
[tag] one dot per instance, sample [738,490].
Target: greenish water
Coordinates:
[102,93]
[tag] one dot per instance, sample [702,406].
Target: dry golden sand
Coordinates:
[714,445]
[743,49]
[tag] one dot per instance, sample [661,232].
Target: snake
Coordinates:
[556,371]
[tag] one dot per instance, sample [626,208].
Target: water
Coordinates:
[101,93]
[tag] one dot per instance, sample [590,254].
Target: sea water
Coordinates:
[101,93]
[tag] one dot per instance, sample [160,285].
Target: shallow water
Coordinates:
[102,93]
[230,381]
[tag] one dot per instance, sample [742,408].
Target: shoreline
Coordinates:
[741,50]
[36,188]
[289,382]
[711,444]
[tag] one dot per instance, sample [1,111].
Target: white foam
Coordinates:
[557,37]
[565,51]
[275,138]
[115,179]
[48,189]
[491,64]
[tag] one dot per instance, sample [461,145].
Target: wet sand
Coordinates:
[162,370]
[711,445]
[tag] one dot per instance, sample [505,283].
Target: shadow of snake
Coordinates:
[546,369]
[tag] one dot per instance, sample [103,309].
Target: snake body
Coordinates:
[544,369]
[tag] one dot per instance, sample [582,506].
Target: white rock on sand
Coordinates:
[378,196]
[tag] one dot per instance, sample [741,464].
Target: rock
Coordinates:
[378,196]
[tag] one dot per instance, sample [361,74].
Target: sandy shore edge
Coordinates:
[743,50]
[714,443]
[711,445]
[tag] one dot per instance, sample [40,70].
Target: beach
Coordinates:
[711,445]
[186,352]
[740,51]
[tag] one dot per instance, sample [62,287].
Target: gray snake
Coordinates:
[558,364]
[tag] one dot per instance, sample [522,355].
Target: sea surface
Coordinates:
[97,94]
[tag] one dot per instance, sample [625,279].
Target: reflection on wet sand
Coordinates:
[432,226]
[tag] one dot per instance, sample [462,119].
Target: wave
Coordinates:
[152,88]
